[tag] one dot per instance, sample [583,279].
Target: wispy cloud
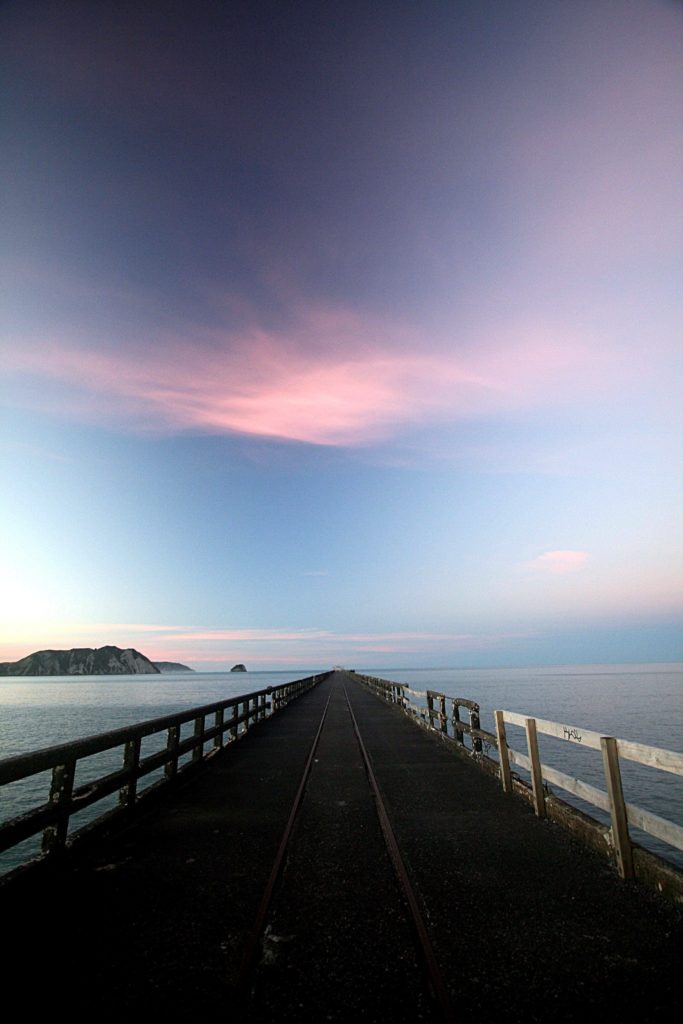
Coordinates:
[259,646]
[559,562]
[334,378]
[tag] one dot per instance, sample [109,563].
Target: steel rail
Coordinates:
[262,912]
[425,948]
[438,986]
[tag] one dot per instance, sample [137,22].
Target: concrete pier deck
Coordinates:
[524,921]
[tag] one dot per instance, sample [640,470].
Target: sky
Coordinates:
[343,333]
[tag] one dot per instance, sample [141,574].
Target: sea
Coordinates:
[640,702]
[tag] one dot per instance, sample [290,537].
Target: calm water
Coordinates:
[636,702]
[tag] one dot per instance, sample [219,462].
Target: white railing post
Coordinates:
[622,841]
[536,773]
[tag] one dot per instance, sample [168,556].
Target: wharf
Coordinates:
[525,922]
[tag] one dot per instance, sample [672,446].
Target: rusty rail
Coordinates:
[53,818]
[415,914]
[251,946]
[417,917]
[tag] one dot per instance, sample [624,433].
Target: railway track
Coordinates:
[251,976]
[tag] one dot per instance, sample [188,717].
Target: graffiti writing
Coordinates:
[572,734]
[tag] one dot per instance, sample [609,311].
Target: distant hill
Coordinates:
[172,666]
[238,668]
[80,661]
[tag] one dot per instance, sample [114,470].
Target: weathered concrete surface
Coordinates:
[526,923]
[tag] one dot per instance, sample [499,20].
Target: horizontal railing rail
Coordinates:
[431,710]
[232,718]
[611,799]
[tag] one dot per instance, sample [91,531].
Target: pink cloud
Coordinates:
[560,561]
[282,646]
[251,635]
[332,379]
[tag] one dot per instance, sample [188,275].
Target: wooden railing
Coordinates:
[230,720]
[622,814]
[430,709]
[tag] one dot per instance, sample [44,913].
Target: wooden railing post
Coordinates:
[218,723]
[458,733]
[475,723]
[505,776]
[430,708]
[536,773]
[172,741]
[61,788]
[442,709]
[198,748]
[622,841]
[234,726]
[131,763]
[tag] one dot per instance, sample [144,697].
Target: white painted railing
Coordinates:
[612,799]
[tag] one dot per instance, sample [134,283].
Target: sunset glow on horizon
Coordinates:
[346,337]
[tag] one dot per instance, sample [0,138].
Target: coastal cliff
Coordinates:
[81,661]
